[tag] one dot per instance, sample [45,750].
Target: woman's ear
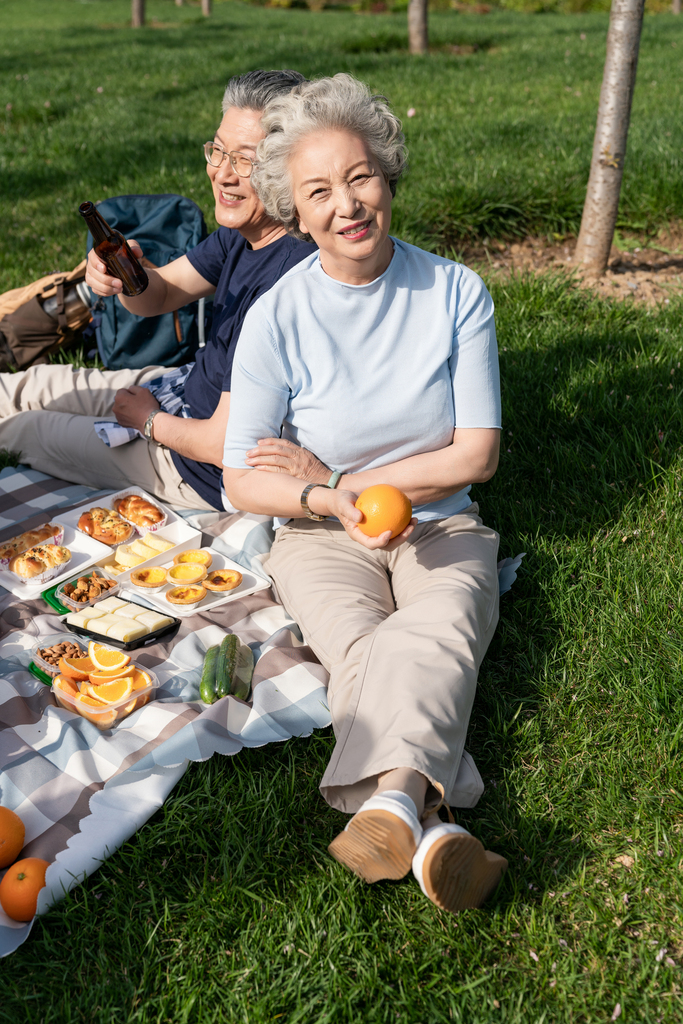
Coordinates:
[302,227]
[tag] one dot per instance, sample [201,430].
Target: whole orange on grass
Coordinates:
[20,887]
[12,834]
[384,508]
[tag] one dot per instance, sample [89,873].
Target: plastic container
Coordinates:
[165,633]
[108,716]
[57,539]
[141,529]
[50,641]
[77,606]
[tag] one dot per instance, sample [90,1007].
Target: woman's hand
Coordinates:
[327,502]
[97,278]
[275,455]
[133,405]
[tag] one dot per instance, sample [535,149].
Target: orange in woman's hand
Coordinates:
[12,834]
[20,887]
[384,508]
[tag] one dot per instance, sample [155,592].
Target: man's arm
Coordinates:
[199,440]
[169,288]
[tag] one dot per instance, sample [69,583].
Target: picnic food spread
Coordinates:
[87,588]
[40,561]
[27,540]
[105,525]
[138,510]
[222,579]
[120,620]
[228,669]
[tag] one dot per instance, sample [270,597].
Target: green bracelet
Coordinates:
[334,480]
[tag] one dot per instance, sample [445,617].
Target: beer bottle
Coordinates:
[114,251]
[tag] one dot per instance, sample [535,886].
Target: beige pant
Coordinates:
[402,634]
[47,413]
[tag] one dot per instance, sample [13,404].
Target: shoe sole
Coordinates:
[376,845]
[458,873]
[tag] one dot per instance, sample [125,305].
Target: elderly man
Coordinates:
[47,412]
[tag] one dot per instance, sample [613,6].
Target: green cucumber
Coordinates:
[207,687]
[235,668]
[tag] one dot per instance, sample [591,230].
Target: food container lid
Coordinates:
[50,641]
[75,606]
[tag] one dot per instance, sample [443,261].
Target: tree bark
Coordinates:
[675,6]
[418,34]
[137,13]
[206,8]
[611,132]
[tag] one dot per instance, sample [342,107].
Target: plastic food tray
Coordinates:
[50,641]
[156,636]
[109,716]
[76,606]
[250,584]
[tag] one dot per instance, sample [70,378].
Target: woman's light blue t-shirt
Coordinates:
[365,375]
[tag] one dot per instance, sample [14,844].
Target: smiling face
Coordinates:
[343,202]
[237,205]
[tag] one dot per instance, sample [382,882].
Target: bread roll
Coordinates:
[139,511]
[27,540]
[105,525]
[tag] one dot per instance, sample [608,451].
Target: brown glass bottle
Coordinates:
[114,251]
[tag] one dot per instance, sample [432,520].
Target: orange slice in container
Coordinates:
[107,675]
[110,693]
[88,707]
[106,658]
[76,668]
[66,685]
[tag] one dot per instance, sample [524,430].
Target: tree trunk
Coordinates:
[206,8]
[611,133]
[137,13]
[418,35]
[675,6]
[179,3]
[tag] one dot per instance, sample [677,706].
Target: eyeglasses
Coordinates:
[242,165]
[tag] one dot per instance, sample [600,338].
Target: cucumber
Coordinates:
[235,668]
[207,687]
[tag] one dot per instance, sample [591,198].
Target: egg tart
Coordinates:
[186,572]
[222,579]
[196,556]
[150,579]
[187,596]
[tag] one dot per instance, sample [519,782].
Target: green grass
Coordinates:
[226,907]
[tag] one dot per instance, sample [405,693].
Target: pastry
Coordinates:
[153,620]
[126,557]
[110,605]
[222,579]
[143,550]
[186,572]
[196,556]
[127,630]
[186,595]
[38,561]
[153,577]
[105,525]
[139,511]
[114,570]
[152,540]
[17,545]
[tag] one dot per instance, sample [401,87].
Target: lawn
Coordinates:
[226,907]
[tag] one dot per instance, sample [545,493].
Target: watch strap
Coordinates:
[148,427]
[304,503]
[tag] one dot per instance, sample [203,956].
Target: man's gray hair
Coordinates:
[338,103]
[256,89]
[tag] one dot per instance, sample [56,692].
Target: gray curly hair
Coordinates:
[338,103]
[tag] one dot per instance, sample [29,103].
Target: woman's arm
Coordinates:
[471,458]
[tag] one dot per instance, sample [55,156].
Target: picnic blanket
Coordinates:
[82,793]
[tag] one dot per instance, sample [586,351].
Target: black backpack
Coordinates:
[166,226]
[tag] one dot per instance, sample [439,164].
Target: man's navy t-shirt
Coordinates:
[240,274]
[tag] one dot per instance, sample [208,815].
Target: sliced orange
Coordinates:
[110,693]
[75,668]
[106,675]
[105,657]
[87,706]
[66,685]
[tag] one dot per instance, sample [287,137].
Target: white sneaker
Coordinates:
[453,868]
[381,838]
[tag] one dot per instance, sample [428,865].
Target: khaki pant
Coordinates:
[47,413]
[402,635]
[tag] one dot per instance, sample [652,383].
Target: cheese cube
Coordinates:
[110,604]
[153,620]
[127,630]
[101,624]
[129,611]
[78,619]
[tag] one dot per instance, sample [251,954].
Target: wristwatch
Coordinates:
[304,502]
[147,429]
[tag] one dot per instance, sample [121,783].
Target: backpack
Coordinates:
[27,333]
[165,226]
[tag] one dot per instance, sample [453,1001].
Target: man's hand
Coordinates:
[97,278]
[133,405]
[327,502]
[275,455]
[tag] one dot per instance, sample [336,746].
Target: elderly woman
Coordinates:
[380,358]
